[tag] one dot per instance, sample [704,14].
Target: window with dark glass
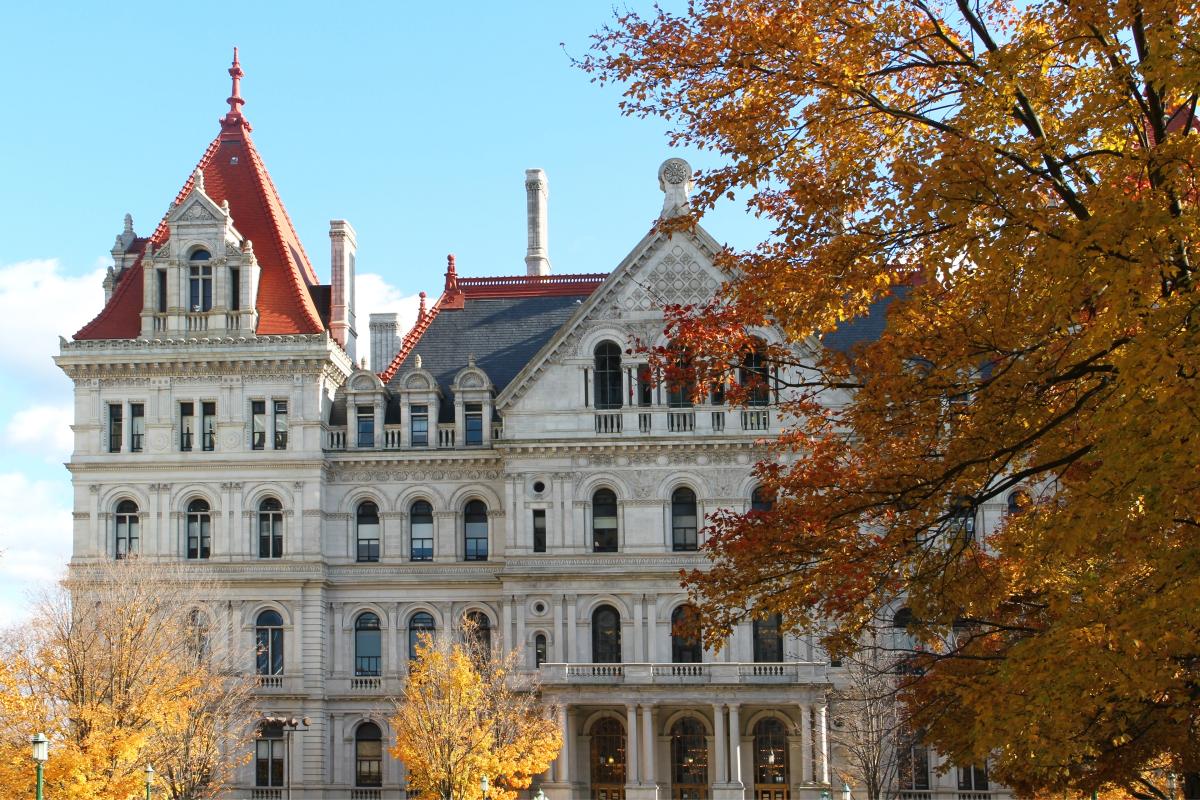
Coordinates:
[137,427]
[270,528]
[680,387]
[539,650]
[770,758]
[115,430]
[208,425]
[200,282]
[199,529]
[768,640]
[420,627]
[753,374]
[161,286]
[368,647]
[689,759]
[187,421]
[365,417]
[1018,502]
[258,424]
[268,756]
[683,519]
[480,629]
[962,520]
[608,759]
[235,289]
[645,386]
[606,636]
[604,521]
[685,636]
[973,778]
[367,529]
[608,375]
[475,524]
[419,421]
[128,524]
[912,767]
[420,522]
[368,755]
[539,530]
[281,425]
[268,643]
[761,500]
[473,416]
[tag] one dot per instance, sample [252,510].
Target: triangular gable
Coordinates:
[651,276]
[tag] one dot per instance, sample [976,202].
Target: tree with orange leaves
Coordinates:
[1012,185]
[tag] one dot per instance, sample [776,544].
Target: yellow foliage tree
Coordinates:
[467,712]
[118,673]
[1015,183]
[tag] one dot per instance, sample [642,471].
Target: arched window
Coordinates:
[367,645]
[689,759]
[367,528]
[768,640]
[606,636]
[912,762]
[683,519]
[479,628]
[604,521]
[420,528]
[368,755]
[200,281]
[268,756]
[270,529]
[475,525]
[685,636]
[904,642]
[770,758]
[1018,501]
[608,759]
[755,376]
[420,627]
[761,500]
[128,525]
[199,529]
[608,375]
[268,643]
[540,650]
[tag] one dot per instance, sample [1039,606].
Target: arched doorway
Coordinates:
[689,760]
[770,760]
[608,760]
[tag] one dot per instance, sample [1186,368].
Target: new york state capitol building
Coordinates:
[505,459]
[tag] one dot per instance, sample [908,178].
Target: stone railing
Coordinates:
[644,673]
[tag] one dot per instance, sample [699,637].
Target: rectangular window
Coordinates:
[539,530]
[161,283]
[645,386]
[420,426]
[235,289]
[200,288]
[258,424]
[281,428]
[422,537]
[187,421]
[208,425]
[115,432]
[474,420]
[973,778]
[366,426]
[268,762]
[137,427]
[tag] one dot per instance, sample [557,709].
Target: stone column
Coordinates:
[720,756]
[564,755]
[735,744]
[822,745]
[648,771]
[572,615]
[652,628]
[506,624]
[560,654]
[631,745]
[806,765]
[520,643]
[636,651]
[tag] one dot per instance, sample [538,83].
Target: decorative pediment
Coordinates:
[362,380]
[471,377]
[418,380]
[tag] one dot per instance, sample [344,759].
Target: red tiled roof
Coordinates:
[233,171]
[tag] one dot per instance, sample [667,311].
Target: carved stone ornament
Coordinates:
[197,212]
[676,170]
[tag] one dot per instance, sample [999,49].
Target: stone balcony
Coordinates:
[715,673]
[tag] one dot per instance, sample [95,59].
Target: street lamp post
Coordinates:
[41,752]
[484,785]
[149,778]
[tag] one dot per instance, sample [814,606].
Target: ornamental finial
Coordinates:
[234,117]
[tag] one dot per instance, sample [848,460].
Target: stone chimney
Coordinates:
[385,339]
[343,244]
[537,194]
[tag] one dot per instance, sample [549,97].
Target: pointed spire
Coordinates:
[234,118]
[421,312]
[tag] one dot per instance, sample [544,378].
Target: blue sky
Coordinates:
[414,121]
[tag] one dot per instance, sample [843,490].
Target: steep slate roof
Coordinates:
[232,171]
[501,321]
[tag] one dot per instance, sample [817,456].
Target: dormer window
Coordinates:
[200,281]
[473,416]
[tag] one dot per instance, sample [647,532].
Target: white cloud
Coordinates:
[374,295]
[44,430]
[39,303]
[35,539]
